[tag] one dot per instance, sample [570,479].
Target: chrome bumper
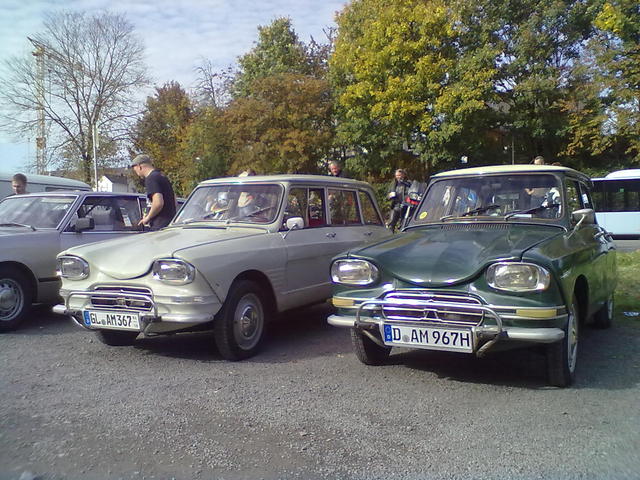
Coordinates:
[147,318]
[492,333]
[533,335]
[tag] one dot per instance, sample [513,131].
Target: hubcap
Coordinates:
[248,321]
[11,299]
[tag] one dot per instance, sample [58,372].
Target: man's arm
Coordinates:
[157,202]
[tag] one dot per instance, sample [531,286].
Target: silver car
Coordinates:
[35,227]
[239,251]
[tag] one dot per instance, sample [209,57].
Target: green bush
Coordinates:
[627,297]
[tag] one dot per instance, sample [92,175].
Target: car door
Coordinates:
[594,245]
[311,248]
[113,216]
[354,217]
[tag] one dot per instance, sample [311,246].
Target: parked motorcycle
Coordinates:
[412,200]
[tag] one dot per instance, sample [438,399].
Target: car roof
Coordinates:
[57,193]
[290,178]
[496,169]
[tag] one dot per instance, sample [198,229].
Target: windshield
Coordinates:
[504,196]
[37,212]
[248,203]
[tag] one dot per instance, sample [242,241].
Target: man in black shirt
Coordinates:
[159,193]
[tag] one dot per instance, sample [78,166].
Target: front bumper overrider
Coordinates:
[369,316]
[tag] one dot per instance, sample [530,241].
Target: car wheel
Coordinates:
[115,338]
[368,351]
[240,326]
[563,355]
[604,317]
[15,298]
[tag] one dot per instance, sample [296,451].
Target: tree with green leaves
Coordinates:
[284,126]
[407,81]
[161,131]
[277,51]
[618,54]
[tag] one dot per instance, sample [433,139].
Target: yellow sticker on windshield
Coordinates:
[423,215]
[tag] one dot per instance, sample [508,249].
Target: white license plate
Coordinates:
[113,320]
[431,338]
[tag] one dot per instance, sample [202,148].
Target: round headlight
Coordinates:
[518,277]
[73,268]
[175,272]
[354,272]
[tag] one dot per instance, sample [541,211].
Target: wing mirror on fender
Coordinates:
[293,223]
[85,223]
[585,216]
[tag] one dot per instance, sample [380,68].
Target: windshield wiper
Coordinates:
[13,224]
[475,211]
[479,210]
[539,208]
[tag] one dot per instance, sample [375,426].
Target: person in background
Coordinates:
[539,160]
[19,184]
[248,173]
[159,193]
[335,169]
[398,189]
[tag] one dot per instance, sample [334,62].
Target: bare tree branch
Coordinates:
[93,71]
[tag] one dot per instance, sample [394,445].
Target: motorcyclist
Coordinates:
[398,190]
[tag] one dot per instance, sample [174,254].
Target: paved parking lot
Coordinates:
[170,407]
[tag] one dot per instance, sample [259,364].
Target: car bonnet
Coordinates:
[132,257]
[442,255]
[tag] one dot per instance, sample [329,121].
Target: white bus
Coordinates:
[617,201]
[41,183]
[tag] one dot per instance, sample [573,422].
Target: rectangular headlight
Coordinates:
[73,268]
[174,272]
[518,277]
[354,272]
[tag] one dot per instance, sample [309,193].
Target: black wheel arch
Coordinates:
[26,271]
[261,279]
[581,292]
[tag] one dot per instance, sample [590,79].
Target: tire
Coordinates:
[16,297]
[603,318]
[367,351]
[239,328]
[115,338]
[562,356]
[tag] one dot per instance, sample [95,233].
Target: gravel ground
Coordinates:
[305,408]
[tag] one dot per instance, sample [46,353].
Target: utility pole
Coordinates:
[41,140]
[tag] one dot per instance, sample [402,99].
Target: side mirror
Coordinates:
[85,223]
[585,216]
[294,223]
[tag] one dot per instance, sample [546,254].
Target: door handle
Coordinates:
[331,235]
[368,234]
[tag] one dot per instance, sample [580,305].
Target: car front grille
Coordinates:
[428,306]
[119,298]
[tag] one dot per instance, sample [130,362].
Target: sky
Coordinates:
[177,34]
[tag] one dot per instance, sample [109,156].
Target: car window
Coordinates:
[110,214]
[491,196]
[585,195]
[573,196]
[369,212]
[307,203]
[38,212]
[243,203]
[343,207]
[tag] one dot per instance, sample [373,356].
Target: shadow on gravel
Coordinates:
[295,335]
[42,321]
[606,361]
